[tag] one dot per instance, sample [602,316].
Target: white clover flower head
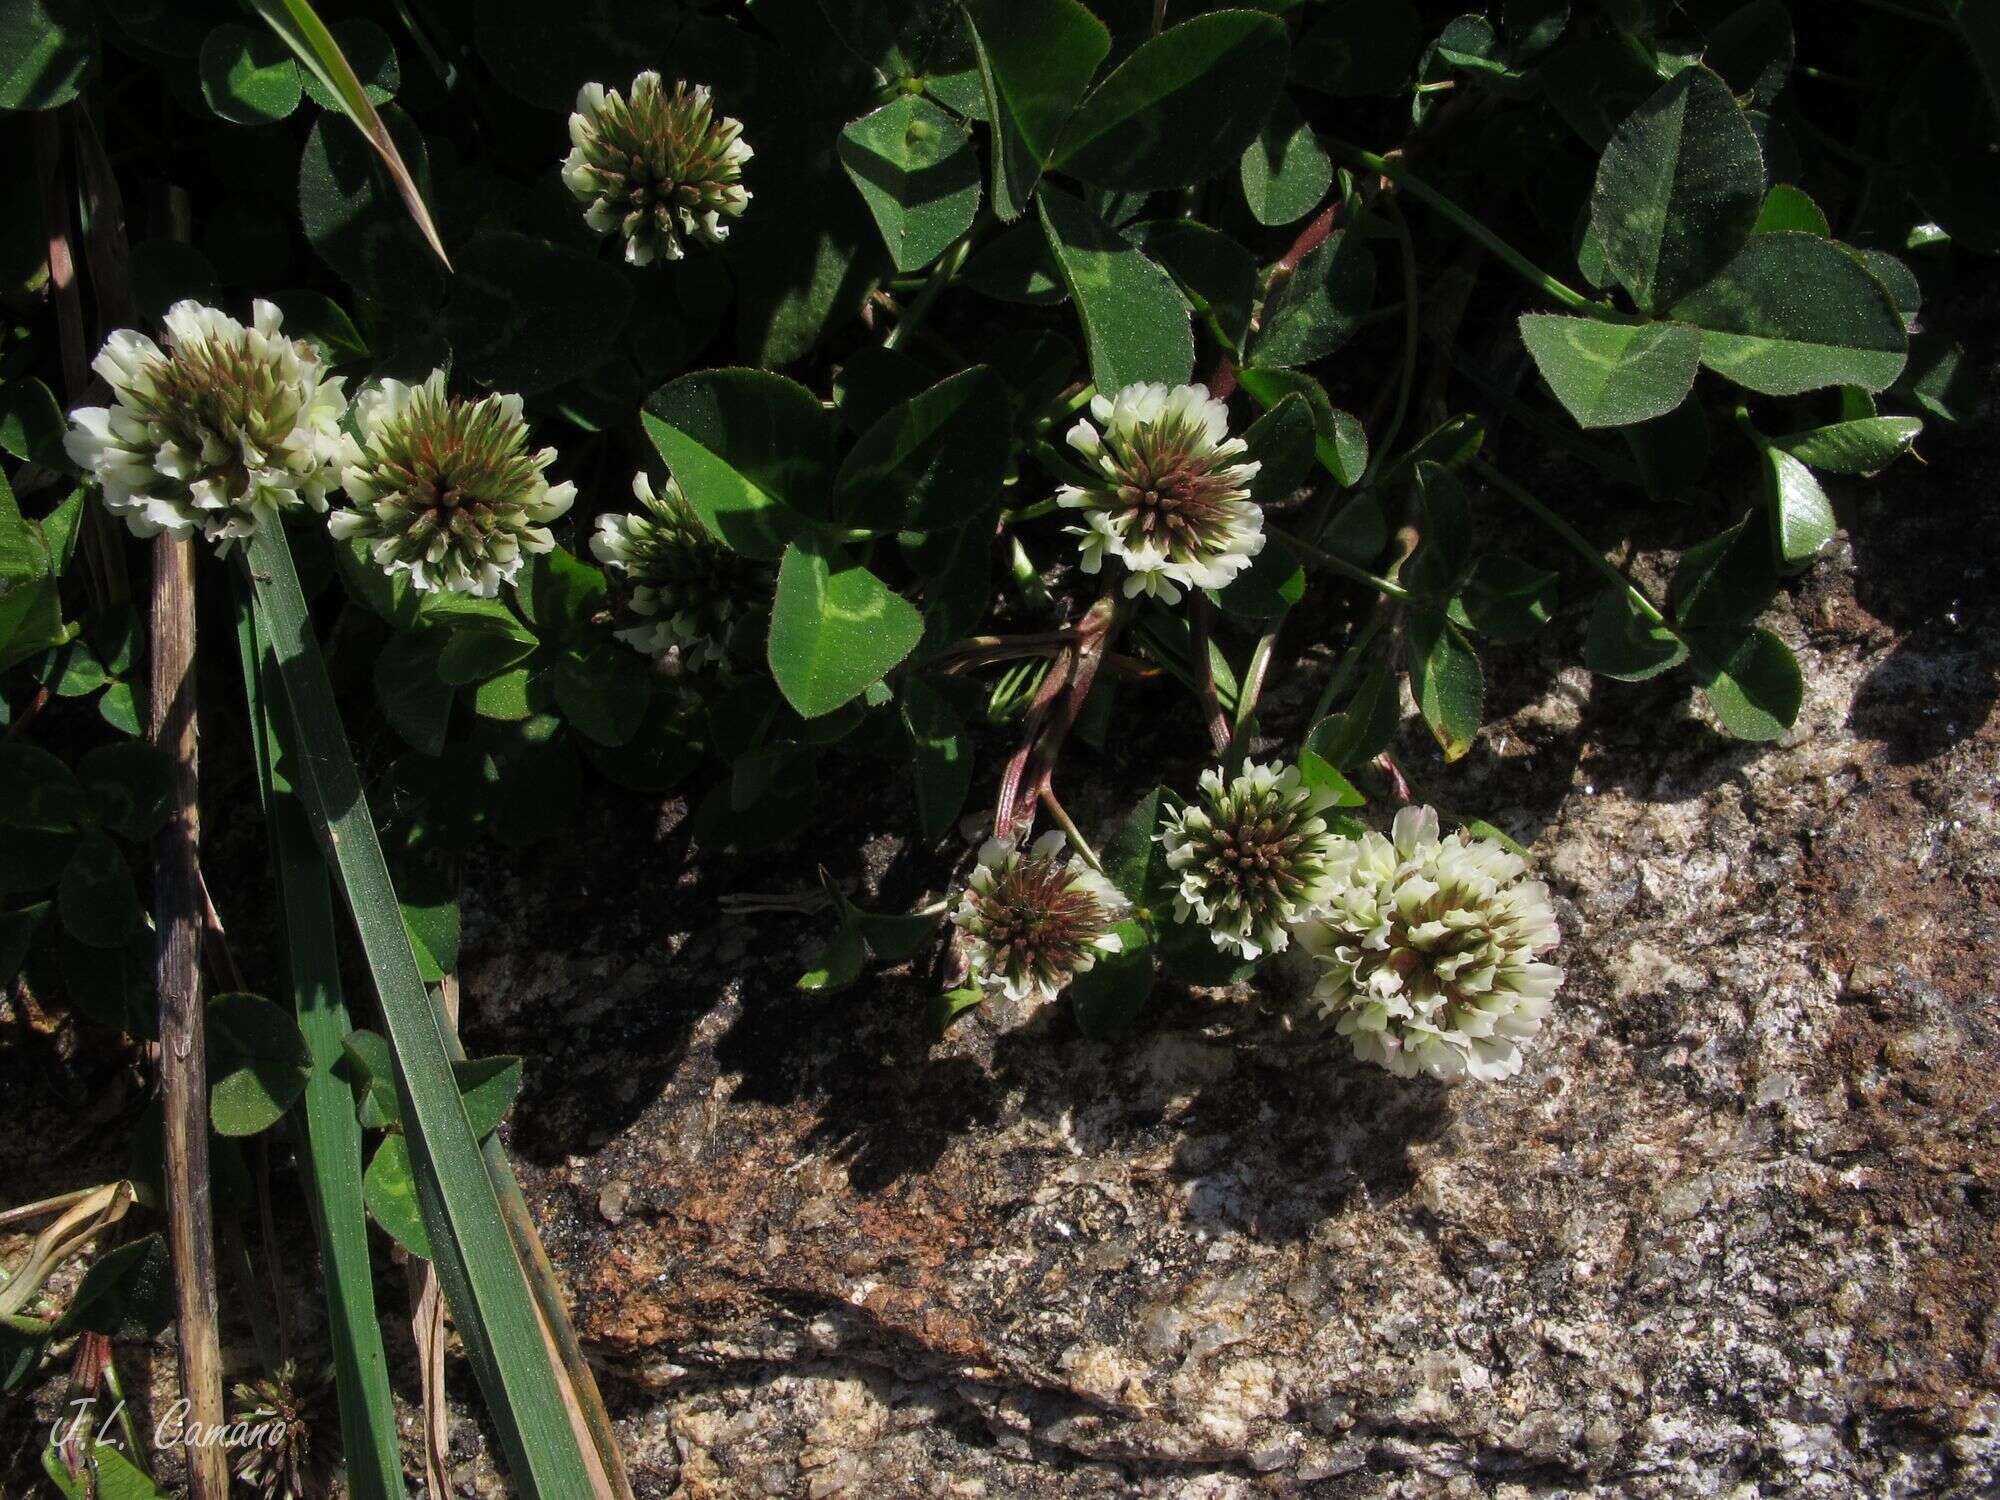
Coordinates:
[446,489]
[223,429]
[1031,923]
[1429,951]
[1172,500]
[659,168]
[1253,856]
[687,589]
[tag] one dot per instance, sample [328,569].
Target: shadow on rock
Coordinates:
[1262,1130]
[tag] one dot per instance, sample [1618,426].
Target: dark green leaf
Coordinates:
[1110,995]
[1671,451]
[355,219]
[319,319]
[1939,378]
[133,786]
[42,792]
[1182,107]
[372,56]
[1794,312]
[838,964]
[1751,681]
[31,424]
[1186,951]
[1613,374]
[1533,26]
[915,167]
[1016,265]
[1318,308]
[1134,319]
[894,936]
[1285,171]
[412,696]
[835,628]
[932,462]
[1133,859]
[164,272]
[603,690]
[949,1006]
[1862,446]
[1316,773]
[1036,58]
[1678,189]
[390,595]
[257,1063]
[390,1191]
[479,651]
[112,986]
[753,452]
[128,1293]
[1447,682]
[1505,599]
[47,48]
[1725,581]
[248,77]
[1788,207]
[560,593]
[1801,516]
[1363,729]
[1215,273]
[526,315]
[1897,279]
[1626,644]
[99,904]
[942,754]
[489,1087]
[17,932]
[1358,47]
[370,1068]
[1753,48]
[1470,44]
[1339,439]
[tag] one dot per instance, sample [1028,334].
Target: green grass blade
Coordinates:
[298,25]
[331,1164]
[481,1274]
[547,1293]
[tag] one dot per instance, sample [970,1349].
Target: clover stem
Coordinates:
[1027,578]
[1401,175]
[1053,804]
[1320,557]
[1576,539]
[1343,674]
[942,274]
[1028,512]
[1246,701]
[1905,12]
[1406,378]
[1201,627]
[125,1424]
[1070,405]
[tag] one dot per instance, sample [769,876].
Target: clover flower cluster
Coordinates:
[1030,923]
[1252,856]
[658,169]
[218,432]
[685,590]
[228,428]
[1430,951]
[1170,495]
[445,489]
